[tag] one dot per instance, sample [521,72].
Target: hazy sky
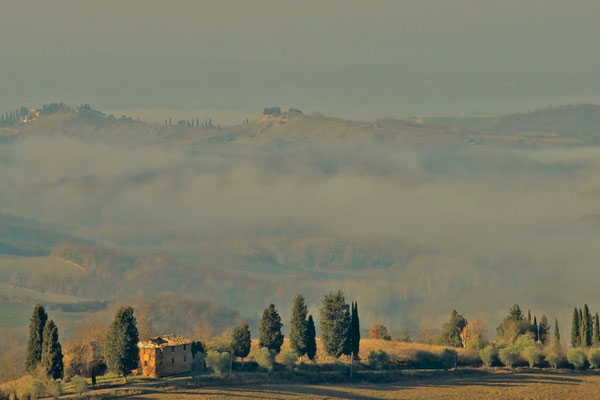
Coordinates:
[355,59]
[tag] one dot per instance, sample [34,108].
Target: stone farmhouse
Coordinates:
[165,355]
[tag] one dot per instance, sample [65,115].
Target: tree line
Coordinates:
[339,325]
[519,339]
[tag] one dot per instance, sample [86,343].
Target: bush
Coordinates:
[264,358]
[576,357]
[554,357]
[379,360]
[594,358]
[54,388]
[289,358]
[80,384]
[449,358]
[475,344]
[216,361]
[489,355]
[533,355]
[426,359]
[509,356]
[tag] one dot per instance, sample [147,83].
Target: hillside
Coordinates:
[577,121]
[402,214]
[559,125]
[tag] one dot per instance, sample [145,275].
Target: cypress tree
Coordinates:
[529,316]
[596,331]
[311,339]
[36,337]
[52,357]
[269,330]
[575,339]
[588,326]
[335,325]
[534,329]
[556,333]
[355,331]
[581,328]
[241,341]
[122,353]
[543,330]
[298,326]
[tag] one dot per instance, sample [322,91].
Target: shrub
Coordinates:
[489,355]
[509,356]
[264,358]
[533,355]
[80,384]
[289,358]
[476,343]
[54,388]
[379,332]
[449,358]
[523,342]
[554,357]
[594,358]
[427,359]
[216,361]
[379,360]
[576,357]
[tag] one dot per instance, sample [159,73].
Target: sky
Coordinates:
[353,59]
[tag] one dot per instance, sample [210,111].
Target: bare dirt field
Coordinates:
[499,385]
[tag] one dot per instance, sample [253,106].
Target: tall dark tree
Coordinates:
[52,357]
[575,326]
[355,331]
[241,341]
[556,333]
[515,313]
[122,353]
[535,330]
[335,325]
[36,337]
[596,331]
[311,339]
[298,325]
[586,327]
[543,330]
[269,330]
[581,343]
[529,316]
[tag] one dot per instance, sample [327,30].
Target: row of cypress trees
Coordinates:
[339,328]
[541,330]
[340,335]
[43,348]
[585,329]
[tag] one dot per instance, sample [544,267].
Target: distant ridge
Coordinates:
[568,120]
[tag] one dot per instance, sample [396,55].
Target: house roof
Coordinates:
[163,341]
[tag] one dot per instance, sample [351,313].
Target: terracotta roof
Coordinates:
[164,341]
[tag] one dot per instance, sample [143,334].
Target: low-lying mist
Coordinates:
[500,225]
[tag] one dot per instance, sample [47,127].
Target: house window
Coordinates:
[184,358]
[172,349]
[172,361]
[184,347]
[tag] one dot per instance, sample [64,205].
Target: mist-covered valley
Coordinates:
[403,215]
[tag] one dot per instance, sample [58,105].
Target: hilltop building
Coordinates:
[31,115]
[165,355]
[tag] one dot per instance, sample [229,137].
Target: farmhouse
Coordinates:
[165,355]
